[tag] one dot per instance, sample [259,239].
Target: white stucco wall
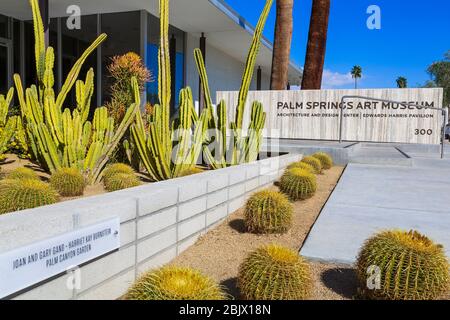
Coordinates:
[224,72]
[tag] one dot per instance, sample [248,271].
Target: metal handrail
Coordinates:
[443,110]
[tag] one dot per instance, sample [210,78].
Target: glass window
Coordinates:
[123,30]
[4,27]
[74,43]
[177,61]
[16,45]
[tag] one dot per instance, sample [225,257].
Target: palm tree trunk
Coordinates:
[282,45]
[317,42]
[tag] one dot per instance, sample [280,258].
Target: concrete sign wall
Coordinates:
[314,114]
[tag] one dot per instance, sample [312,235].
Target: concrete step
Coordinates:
[382,161]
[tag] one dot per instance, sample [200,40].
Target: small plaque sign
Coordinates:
[29,265]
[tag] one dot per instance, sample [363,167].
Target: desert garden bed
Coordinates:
[220,252]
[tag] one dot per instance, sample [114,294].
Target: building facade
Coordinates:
[133,26]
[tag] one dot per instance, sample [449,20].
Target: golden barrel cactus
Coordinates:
[174,283]
[117,168]
[69,182]
[273,272]
[121,181]
[302,165]
[298,184]
[268,212]
[22,173]
[24,194]
[399,265]
[313,162]
[325,160]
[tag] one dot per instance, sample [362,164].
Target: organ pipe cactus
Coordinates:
[5,102]
[60,137]
[241,148]
[162,158]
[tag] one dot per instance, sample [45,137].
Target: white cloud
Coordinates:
[332,79]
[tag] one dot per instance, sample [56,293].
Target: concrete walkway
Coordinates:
[371,198]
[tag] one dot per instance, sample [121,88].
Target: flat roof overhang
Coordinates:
[224,28]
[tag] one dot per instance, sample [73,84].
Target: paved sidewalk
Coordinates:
[371,198]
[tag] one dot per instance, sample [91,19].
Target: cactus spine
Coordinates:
[60,137]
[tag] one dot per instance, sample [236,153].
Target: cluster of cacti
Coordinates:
[60,137]
[191,171]
[325,160]
[313,162]
[268,212]
[175,283]
[298,184]
[161,159]
[23,194]
[69,182]
[302,165]
[196,134]
[241,148]
[22,174]
[398,265]
[273,272]
[121,181]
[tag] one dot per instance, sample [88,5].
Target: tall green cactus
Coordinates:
[60,137]
[162,158]
[8,126]
[5,102]
[243,148]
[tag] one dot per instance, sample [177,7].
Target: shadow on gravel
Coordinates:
[231,286]
[343,281]
[238,225]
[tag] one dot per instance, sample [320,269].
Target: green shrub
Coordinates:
[121,181]
[22,173]
[117,168]
[191,171]
[412,266]
[298,184]
[69,182]
[268,212]
[24,194]
[302,165]
[174,283]
[325,160]
[313,162]
[273,272]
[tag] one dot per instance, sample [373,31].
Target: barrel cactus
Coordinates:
[69,182]
[174,283]
[325,160]
[410,267]
[313,162]
[22,173]
[302,165]
[121,181]
[298,184]
[191,171]
[24,194]
[268,212]
[273,272]
[117,168]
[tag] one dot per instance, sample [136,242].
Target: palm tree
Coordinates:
[356,74]
[317,43]
[282,45]
[402,82]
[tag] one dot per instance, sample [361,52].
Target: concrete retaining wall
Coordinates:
[158,222]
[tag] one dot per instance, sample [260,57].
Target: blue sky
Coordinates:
[413,34]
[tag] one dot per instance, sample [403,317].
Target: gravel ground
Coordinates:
[220,252]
